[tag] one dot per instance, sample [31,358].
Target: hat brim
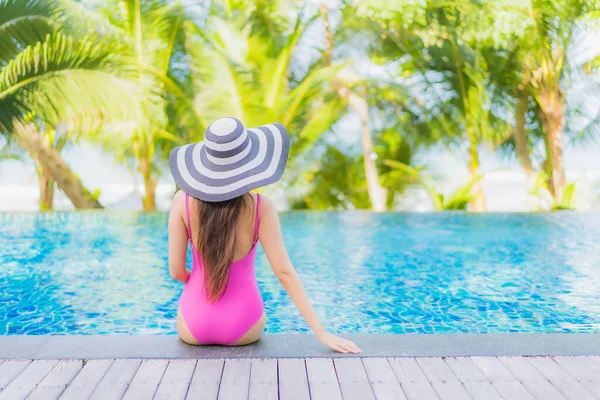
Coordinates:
[202,176]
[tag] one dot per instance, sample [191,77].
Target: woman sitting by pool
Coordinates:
[223,221]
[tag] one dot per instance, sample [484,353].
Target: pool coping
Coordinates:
[300,346]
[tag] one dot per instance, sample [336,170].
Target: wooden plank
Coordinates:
[322,380]
[146,380]
[583,370]
[533,381]
[512,390]
[57,380]
[235,379]
[206,380]
[24,383]
[560,379]
[472,378]
[382,379]
[443,380]
[9,371]
[86,381]
[353,379]
[465,369]
[412,379]
[595,359]
[293,382]
[501,378]
[594,363]
[176,380]
[263,379]
[117,379]
[493,369]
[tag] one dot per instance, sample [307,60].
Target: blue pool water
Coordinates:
[106,273]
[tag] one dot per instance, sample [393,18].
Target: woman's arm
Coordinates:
[178,239]
[272,242]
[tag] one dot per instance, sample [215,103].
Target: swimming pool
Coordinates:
[106,273]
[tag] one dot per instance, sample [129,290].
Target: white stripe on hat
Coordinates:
[260,157]
[223,126]
[270,171]
[227,146]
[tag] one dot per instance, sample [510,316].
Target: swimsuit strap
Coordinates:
[187,216]
[257,220]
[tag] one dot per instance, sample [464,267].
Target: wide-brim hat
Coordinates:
[231,161]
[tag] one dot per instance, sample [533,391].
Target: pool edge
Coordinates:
[300,346]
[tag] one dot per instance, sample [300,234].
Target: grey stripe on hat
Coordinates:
[229,153]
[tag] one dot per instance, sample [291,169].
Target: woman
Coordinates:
[223,221]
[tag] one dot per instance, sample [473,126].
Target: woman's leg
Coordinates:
[183,331]
[254,333]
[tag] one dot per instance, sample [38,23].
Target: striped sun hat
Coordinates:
[231,161]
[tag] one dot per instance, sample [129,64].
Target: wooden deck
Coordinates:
[311,378]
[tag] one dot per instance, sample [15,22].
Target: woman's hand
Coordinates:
[338,344]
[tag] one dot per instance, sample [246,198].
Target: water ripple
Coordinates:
[106,273]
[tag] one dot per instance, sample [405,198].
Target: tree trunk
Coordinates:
[478,203]
[552,112]
[377,194]
[547,166]
[149,199]
[49,158]
[520,135]
[46,188]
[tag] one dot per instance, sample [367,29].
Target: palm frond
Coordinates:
[278,75]
[58,76]
[23,23]
[461,197]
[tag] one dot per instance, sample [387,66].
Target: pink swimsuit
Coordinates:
[240,308]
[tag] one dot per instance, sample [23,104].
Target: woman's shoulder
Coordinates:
[178,200]
[267,206]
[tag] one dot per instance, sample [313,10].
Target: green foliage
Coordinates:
[247,75]
[58,78]
[457,200]
[443,58]
[24,23]
[96,194]
[547,201]
[336,182]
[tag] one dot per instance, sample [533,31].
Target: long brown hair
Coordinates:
[216,242]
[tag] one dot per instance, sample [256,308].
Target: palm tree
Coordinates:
[533,79]
[451,80]
[242,65]
[358,103]
[544,69]
[56,139]
[441,50]
[151,31]
[50,76]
